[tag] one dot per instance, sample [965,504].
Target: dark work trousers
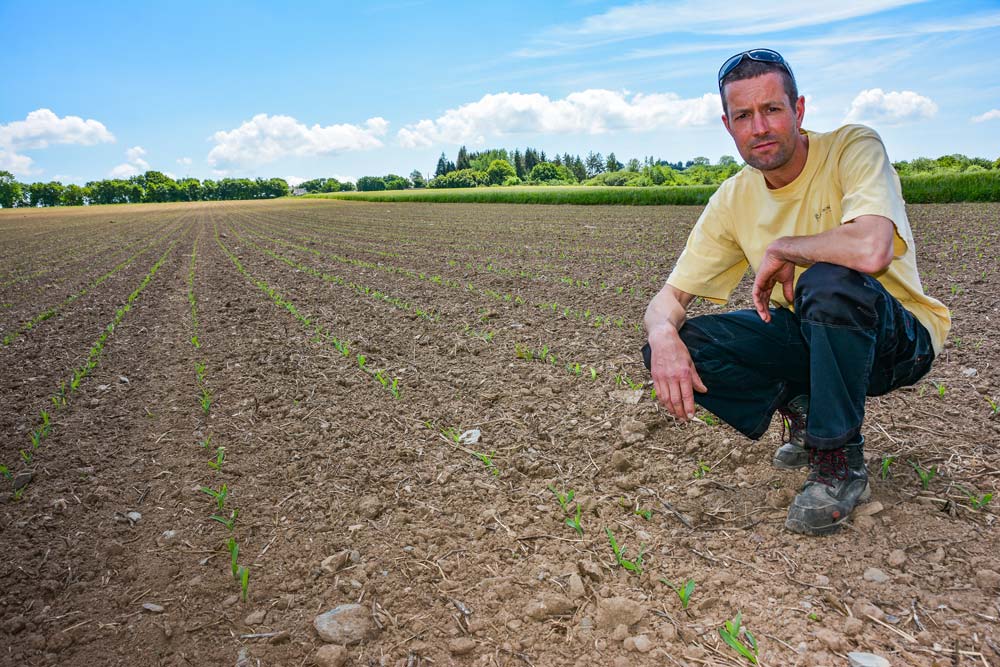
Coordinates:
[848,338]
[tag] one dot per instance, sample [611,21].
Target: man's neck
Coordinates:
[788,172]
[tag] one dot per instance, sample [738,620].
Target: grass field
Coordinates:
[936,189]
[221,420]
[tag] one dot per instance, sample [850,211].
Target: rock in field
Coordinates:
[549,605]
[331,656]
[612,612]
[462,645]
[867,660]
[347,624]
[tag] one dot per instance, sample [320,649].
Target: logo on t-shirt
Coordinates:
[825,209]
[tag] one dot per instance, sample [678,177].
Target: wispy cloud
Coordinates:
[42,128]
[587,112]
[265,138]
[992,114]
[877,107]
[706,17]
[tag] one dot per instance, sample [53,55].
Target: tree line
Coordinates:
[152,186]
[498,166]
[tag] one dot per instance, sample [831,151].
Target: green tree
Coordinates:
[394,182]
[417,179]
[462,161]
[595,164]
[370,184]
[613,163]
[72,195]
[499,171]
[11,192]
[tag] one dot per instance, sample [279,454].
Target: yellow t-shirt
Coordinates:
[847,174]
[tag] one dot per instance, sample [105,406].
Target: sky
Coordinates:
[302,90]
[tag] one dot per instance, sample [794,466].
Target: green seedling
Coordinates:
[683,592]
[886,462]
[645,514]
[218,496]
[941,388]
[487,460]
[994,406]
[362,359]
[702,470]
[745,645]
[633,565]
[199,370]
[979,502]
[709,419]
[19,493]
[243,575]
[452,434]
[228,523]
[234,553]
[925,474]
[564,498]
[46,423]
[26,455]
[207,441]
[205,399]
[813,616]
[36,439]
[220,456]
[5,472]
[574,521]
[593,373]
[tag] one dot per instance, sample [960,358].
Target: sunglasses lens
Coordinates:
[766,55]
[730,65]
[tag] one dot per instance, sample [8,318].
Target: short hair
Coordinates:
[751,69]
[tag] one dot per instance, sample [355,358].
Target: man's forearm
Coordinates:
[666,312]
[864,245]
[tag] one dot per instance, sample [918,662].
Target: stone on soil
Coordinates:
[330,656]
[830,639]
[988,579]
[590,569]
[462,645]
[640,643]
[255,617]
[615,611]
[897,558]
[347,624]
[548,605]
[152,608]
[370,507]
[576,589]
[335,562]
[867,660]
[876,575]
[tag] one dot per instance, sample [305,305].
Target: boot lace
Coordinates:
[828,466]
[792,422]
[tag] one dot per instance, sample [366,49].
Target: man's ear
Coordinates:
[800,110]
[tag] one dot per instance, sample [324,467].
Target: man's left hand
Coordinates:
[773,269]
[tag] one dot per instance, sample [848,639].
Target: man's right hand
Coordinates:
[675,377]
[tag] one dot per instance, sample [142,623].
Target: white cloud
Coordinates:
[266,138]
[878,107]
[295,180]
[184,161]
[992,114]
[42,128]
[587,112]
[716,17]
[134,164]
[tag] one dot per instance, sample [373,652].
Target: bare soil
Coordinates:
[522,322]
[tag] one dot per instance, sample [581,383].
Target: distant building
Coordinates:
[298,192]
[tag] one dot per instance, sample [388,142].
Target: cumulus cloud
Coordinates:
[992,114]
[586,112]
[184,161]
[893,108]
[42,128]
[266,138]
[134,164]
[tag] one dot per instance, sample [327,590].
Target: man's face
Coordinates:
[762,121]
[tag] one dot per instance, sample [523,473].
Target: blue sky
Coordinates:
[307,89]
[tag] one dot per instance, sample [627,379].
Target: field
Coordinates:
[223,420]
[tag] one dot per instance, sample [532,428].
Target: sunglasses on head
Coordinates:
[760,55]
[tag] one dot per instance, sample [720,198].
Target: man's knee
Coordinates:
[834,294]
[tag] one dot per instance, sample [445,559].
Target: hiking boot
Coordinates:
[838,480]
[793,454]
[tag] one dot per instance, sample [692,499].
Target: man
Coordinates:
[839,311]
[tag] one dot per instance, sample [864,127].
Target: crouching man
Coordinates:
[839,311]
